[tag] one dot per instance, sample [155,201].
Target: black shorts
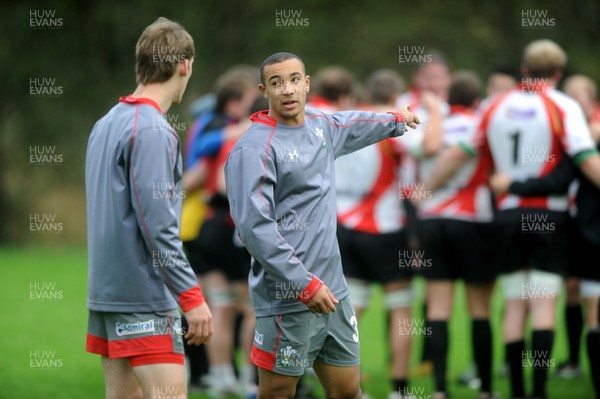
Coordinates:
[533,239]
[576,250]
[217,248]
[581,254]
[456,249]
[373,257]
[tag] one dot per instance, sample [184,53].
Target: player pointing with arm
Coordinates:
[137,269]
[280,184]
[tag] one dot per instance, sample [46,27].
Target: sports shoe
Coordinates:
[221,387]
[567,371]
[470,378]
[423,370]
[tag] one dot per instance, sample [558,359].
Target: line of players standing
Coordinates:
[400,214]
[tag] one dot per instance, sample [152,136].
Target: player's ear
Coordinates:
[263,90]
[307,79]
[557,75]
[185,67]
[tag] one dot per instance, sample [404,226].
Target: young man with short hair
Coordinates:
[281,189]
[136,266]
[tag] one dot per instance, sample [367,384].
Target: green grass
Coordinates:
[59,325]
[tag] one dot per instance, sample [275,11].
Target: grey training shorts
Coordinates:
[289,343]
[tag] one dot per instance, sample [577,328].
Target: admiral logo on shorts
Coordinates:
[139,327]
[258,337]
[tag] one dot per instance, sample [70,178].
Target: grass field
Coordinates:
[42,348]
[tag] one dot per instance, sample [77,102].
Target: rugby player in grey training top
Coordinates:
[280,184]
[138,272]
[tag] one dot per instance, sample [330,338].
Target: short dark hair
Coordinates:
[465,88]
[233,84]
[333,82]
[276,59]
[507,70]
[383,85]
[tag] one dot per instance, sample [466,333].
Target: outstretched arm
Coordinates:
[353,130]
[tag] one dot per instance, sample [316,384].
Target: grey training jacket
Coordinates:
[281,190]
[133,191]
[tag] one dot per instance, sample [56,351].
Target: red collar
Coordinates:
[263,117]
[318,101]
[595,114]
[139,100]
[460,109]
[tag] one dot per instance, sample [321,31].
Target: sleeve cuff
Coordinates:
[191,298]
[311,290]
[399,116]
[400,124]
[514,188]
[467,148]
[583,155]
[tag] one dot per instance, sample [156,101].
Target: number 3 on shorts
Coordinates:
[354,324]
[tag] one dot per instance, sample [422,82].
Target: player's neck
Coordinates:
[295,121]
[158,93]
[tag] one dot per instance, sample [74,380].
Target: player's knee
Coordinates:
[345,392]
[360,293]
[221,297]
[277,392]
[400,298]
